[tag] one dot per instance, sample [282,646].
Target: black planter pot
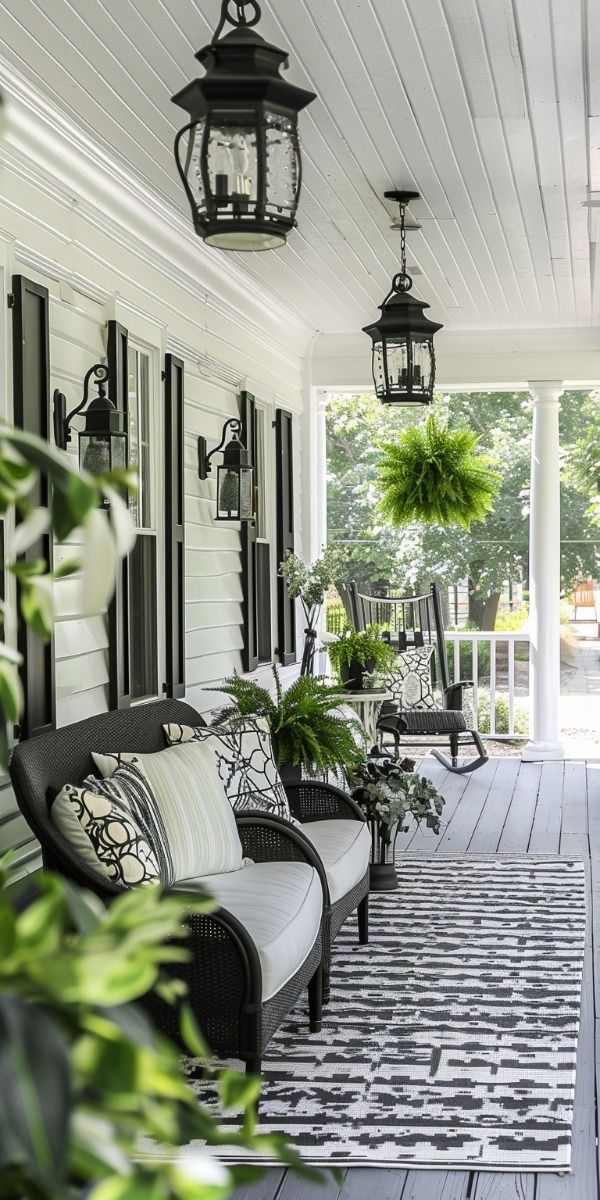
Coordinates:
[352,673]
[291,774]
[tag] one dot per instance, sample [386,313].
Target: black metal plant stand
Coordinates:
[383,877]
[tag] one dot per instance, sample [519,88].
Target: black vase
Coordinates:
[352,674]
[291,773]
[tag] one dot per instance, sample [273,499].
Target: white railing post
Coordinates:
[544,575]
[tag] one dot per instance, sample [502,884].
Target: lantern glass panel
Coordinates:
[234,493]
[422,365]
[232,161]
[283,164]
[94,453]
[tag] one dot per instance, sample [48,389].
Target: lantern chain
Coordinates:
[402,282]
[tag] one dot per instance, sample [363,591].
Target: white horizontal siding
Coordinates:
[93,276]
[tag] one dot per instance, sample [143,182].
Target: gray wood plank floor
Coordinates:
[506,807]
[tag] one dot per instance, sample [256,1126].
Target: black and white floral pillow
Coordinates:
[111,824]
[244,756]
[409,680]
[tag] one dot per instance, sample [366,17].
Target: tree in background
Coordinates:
[495,549]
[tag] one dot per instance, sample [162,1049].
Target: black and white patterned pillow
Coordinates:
[409,680]
[244,757]
[112,824]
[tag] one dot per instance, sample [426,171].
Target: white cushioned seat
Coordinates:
[344,848]
[280,904]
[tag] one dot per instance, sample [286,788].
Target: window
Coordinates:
[263,492]
[143,564]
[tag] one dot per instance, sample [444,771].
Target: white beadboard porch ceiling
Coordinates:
[489,108]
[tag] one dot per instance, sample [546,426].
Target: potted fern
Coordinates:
[356,654]
[305,731]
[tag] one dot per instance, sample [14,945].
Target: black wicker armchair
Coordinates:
[224,975]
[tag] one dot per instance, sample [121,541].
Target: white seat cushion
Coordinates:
[280,904]
[344,848]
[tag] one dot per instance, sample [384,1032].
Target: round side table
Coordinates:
[367,705]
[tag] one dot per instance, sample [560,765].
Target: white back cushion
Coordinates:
[198,819]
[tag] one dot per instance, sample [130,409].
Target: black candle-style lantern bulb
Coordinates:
[239,156]
[403,352]
[103,440]
[235,475]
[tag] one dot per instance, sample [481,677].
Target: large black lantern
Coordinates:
[235,475]
[103,440]
[403,353]
[239,157]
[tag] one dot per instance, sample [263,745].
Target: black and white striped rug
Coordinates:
[450,1040]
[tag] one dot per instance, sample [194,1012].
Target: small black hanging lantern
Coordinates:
[403,353]
[239,157]
[103,441]
[235,475]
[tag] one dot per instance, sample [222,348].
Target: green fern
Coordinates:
[436,475]
[304,730]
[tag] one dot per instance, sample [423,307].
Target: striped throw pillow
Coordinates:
[200,827]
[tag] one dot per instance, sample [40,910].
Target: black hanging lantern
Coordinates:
[403,353]
[103,441]
[239,157]
[235,475]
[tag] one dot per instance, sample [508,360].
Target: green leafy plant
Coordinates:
[388,793]
[520,714]
[309,584]
[304,728]
[86,1073]
[75,501]
[435,474]
[366,648]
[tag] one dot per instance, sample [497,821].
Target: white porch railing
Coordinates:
[498,664]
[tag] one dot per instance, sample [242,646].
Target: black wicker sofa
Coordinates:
[224,975]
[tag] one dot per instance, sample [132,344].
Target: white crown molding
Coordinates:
[41,144]
[472,360]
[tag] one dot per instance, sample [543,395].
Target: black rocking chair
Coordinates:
[415,621]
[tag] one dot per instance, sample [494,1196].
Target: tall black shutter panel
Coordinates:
[250,622]
[119,661]
[286,608]
[174,526]
[31,385]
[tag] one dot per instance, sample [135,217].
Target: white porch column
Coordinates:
[544,575]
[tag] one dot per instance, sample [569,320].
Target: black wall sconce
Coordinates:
[235,475]
[103,441]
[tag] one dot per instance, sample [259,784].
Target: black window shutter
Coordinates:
[286,608]
[249,576]
[119,662]
[31,386]
[174,526]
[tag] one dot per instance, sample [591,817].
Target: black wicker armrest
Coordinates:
[267,838]
[453,695]
[223,978]
[311,800]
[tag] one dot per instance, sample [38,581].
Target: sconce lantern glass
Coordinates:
[235,475]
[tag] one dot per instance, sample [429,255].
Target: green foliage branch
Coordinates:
[84,1073]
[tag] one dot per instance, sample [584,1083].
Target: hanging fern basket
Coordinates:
[436,475]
